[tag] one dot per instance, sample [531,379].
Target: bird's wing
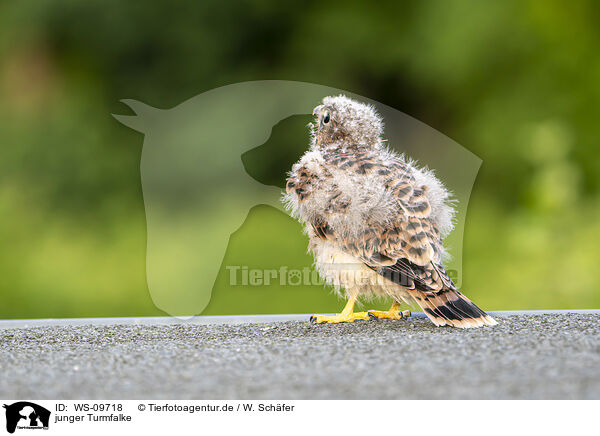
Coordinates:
[407,251]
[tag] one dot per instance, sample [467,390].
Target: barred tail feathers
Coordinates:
[450,307]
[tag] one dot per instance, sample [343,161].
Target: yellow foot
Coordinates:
[340,317]
[390,314]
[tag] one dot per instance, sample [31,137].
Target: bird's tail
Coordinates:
[450,307]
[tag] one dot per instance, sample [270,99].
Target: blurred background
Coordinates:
[516,83]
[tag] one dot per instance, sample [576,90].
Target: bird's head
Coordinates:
[343,121]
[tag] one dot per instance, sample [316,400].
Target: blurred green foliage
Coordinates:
[515,82]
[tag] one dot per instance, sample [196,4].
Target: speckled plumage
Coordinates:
[375,220]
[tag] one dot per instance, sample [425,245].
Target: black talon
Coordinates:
[372,316]
[312,319]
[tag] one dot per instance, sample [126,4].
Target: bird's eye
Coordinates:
[326,118]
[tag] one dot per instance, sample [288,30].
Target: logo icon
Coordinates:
[26,415]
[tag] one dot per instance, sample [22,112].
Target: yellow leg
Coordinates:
[393,313]
[347,315]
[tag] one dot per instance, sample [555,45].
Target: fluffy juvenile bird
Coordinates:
[375,220]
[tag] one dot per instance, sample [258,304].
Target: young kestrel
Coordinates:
[375,220]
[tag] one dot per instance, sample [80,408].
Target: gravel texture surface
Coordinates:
[553,356]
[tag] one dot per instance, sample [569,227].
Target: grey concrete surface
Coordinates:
[229,319]
[527,356]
